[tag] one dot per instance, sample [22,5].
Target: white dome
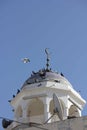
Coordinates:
[44,75]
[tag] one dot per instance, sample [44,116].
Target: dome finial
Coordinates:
[48,59]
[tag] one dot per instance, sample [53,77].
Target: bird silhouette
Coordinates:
[25,60]
[18,91]
[13,96]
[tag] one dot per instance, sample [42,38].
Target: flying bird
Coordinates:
[25,60]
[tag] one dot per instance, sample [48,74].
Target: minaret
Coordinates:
[34,102]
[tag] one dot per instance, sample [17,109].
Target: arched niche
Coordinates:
[19,112]
[35,108]
[73,111]
[51,108]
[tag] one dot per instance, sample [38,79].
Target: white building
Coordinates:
[34,102]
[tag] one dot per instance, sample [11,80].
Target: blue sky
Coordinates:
[27,27]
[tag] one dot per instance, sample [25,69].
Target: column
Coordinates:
[65,114]
[47,114]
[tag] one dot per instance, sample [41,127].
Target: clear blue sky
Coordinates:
[27,27]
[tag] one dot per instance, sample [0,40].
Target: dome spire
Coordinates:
[48,59]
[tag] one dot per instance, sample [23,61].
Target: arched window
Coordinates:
[51,108]
[73,111]
[36,107]
[19,112]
